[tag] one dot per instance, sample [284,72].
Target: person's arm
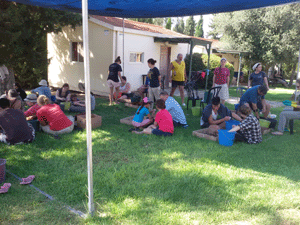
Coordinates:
[255,110]
[213,81]
[234,128]
[68,98]
[216,122]
[185,78]
[159,80]
[266,82]
[228,80]
[127,88]
[249,80]
[235,116]
[171,68]
[78,103]
[119,74]
[58,97]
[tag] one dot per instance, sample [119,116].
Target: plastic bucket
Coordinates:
[264,123]
[226,138]
[2,170]
[196,111]
[229,124]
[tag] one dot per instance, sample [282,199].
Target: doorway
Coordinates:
[165,55]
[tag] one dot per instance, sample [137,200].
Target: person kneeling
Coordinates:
[15,129]
[52,118]
[163,125]
[249,129]
[215,115]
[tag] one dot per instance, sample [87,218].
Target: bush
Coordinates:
[197,63]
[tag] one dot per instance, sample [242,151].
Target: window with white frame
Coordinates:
[77,51]
[136,57]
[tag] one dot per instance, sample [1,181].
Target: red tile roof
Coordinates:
[118,22]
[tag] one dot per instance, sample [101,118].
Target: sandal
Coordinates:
[5,188]
[28,179]
[277,133]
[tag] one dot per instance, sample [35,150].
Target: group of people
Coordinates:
[43,108]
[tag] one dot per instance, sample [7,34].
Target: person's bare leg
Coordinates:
[172,91]
[181,90]
[148,130]
[266,113]
[111,95]
[222,101]
[117,94]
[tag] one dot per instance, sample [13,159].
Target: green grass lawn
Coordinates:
[140,179]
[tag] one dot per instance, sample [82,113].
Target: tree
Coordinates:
[179,26]
[158,21]
[168,23]
[271,35]
[199,28]
[144,20]
[24,46]
[190,26]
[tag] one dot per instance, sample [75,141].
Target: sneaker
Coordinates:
[185,126]
[183,104]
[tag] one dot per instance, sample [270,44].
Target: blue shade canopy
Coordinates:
[154,8]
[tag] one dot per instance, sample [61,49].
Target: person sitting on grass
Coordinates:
[63,94]
[215,115]
[20,91]
[249,129]
[79,106]
[43,89]
[14,99]
[124,89]
[52,118]
[163,125]
[31,101]
[14,127]
[174,109]
[138,119]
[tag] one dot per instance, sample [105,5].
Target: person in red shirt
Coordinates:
[52,118]
[221,79]
[30,100]
[163,125]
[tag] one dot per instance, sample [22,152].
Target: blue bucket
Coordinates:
[229,124]
[226,138]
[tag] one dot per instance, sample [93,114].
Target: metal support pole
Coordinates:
[208,47]
[240,62]
[88,105]
[191,58]
[297,75]
[123,47]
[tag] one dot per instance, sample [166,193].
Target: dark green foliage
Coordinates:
[25,28]
[168,23]
[179,26]
[144,20]
[199,28]
[190,26]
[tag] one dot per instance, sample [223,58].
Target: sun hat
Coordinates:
[255,66]
[223,59]
[43,83]
[146,100]
[31,98]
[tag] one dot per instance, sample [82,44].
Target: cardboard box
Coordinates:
[95,120]
[203,134]
[265,130]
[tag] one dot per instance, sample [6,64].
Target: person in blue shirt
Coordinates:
[215,115]
[174,109]
[43,89]
[138,119]
[252,98]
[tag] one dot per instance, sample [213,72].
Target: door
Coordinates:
[165,54]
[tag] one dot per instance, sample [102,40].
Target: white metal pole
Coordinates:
[240,61]
[123,47]
[297,75]
[88,105]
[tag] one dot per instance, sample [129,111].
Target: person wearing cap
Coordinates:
[138,119]
[221,79]
[163,124]
[31,101]
[43,89]
[15,129]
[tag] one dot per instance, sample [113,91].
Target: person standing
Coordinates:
[178,77]
[114,73]
[221,79]
[155,81]
[258,77]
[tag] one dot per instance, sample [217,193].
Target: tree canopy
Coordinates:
[190,26]
[24,45]
[271,35]
[199,28]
